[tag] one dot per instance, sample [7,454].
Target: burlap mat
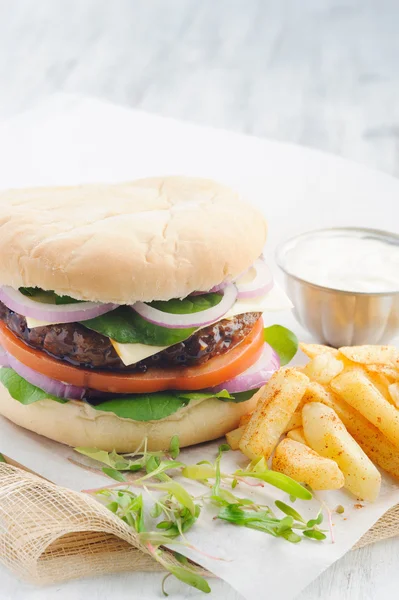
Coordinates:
[50,534]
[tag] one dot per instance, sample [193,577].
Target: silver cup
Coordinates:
[337,317]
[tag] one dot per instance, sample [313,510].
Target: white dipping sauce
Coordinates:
[346,261]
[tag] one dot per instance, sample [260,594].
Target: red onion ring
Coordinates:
[48,385]
[260,284]
[198,319]
[255,376]
[81,311]
[4,362]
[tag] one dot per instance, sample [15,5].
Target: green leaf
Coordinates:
[29,291]
[2,459]
[242,396]
[284,525]
[126,326]
[314,534]
[178,491]
[291,536]
[190,578]
[113,507]
[189,305]
[66,300]
[144,407]
[174,447]
[317,521]
[22,390]
[107,458]
[198,472]
[155,406]
[283,341]
[280,481]
[222,395]
[288,510]
[114,474]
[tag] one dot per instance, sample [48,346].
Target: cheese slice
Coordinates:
[32,323]
[129,354]
[132,353]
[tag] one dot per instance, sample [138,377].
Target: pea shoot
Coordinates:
[175,510]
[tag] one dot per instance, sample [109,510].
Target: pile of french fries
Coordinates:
[329,423]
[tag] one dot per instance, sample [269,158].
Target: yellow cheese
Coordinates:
[132,353]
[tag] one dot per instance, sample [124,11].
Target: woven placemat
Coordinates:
[50,534]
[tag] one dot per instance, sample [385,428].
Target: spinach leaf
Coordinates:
[283,341]
[189,305]
[65,299]
[125,326]
[46,295]
[155,406]
[22,390]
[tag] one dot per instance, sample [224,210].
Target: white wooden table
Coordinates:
[322,73]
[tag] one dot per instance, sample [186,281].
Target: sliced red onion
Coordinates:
[3,358]
[62,313]
[255,376]
[216,288]
[48,385]
[259,285]
[198,319]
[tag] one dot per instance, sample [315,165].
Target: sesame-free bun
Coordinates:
[78,424]
[150,239]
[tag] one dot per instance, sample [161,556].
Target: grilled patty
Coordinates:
[83,347]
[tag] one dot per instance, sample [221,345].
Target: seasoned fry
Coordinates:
[393,390]
[306,466]
[361,394]
[323,368]
[294,422]
[372,355]
[233,437]
[313,350]
[274,410]
[297,435]
[389,372]
[327,435]
[244,420]
[377,447]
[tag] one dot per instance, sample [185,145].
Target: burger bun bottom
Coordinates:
[77,424]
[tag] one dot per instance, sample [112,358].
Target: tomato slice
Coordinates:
[214,372]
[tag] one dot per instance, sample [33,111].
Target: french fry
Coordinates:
[372,355]
[389,372]
[381,382]
[244,420]
[313,350]
[233,437]
[323,367]
[294,422]
[306,466]
[327,435]
[377,447]
[297,435]
[275,408]
[393,390]
[358,391]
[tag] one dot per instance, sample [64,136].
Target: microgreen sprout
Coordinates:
[176,510]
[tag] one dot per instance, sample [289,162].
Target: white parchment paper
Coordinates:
[72,140]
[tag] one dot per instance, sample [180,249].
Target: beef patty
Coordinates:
[83,347]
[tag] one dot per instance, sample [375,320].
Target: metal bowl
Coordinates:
[337,317]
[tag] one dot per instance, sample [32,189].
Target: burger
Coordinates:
[134,310]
